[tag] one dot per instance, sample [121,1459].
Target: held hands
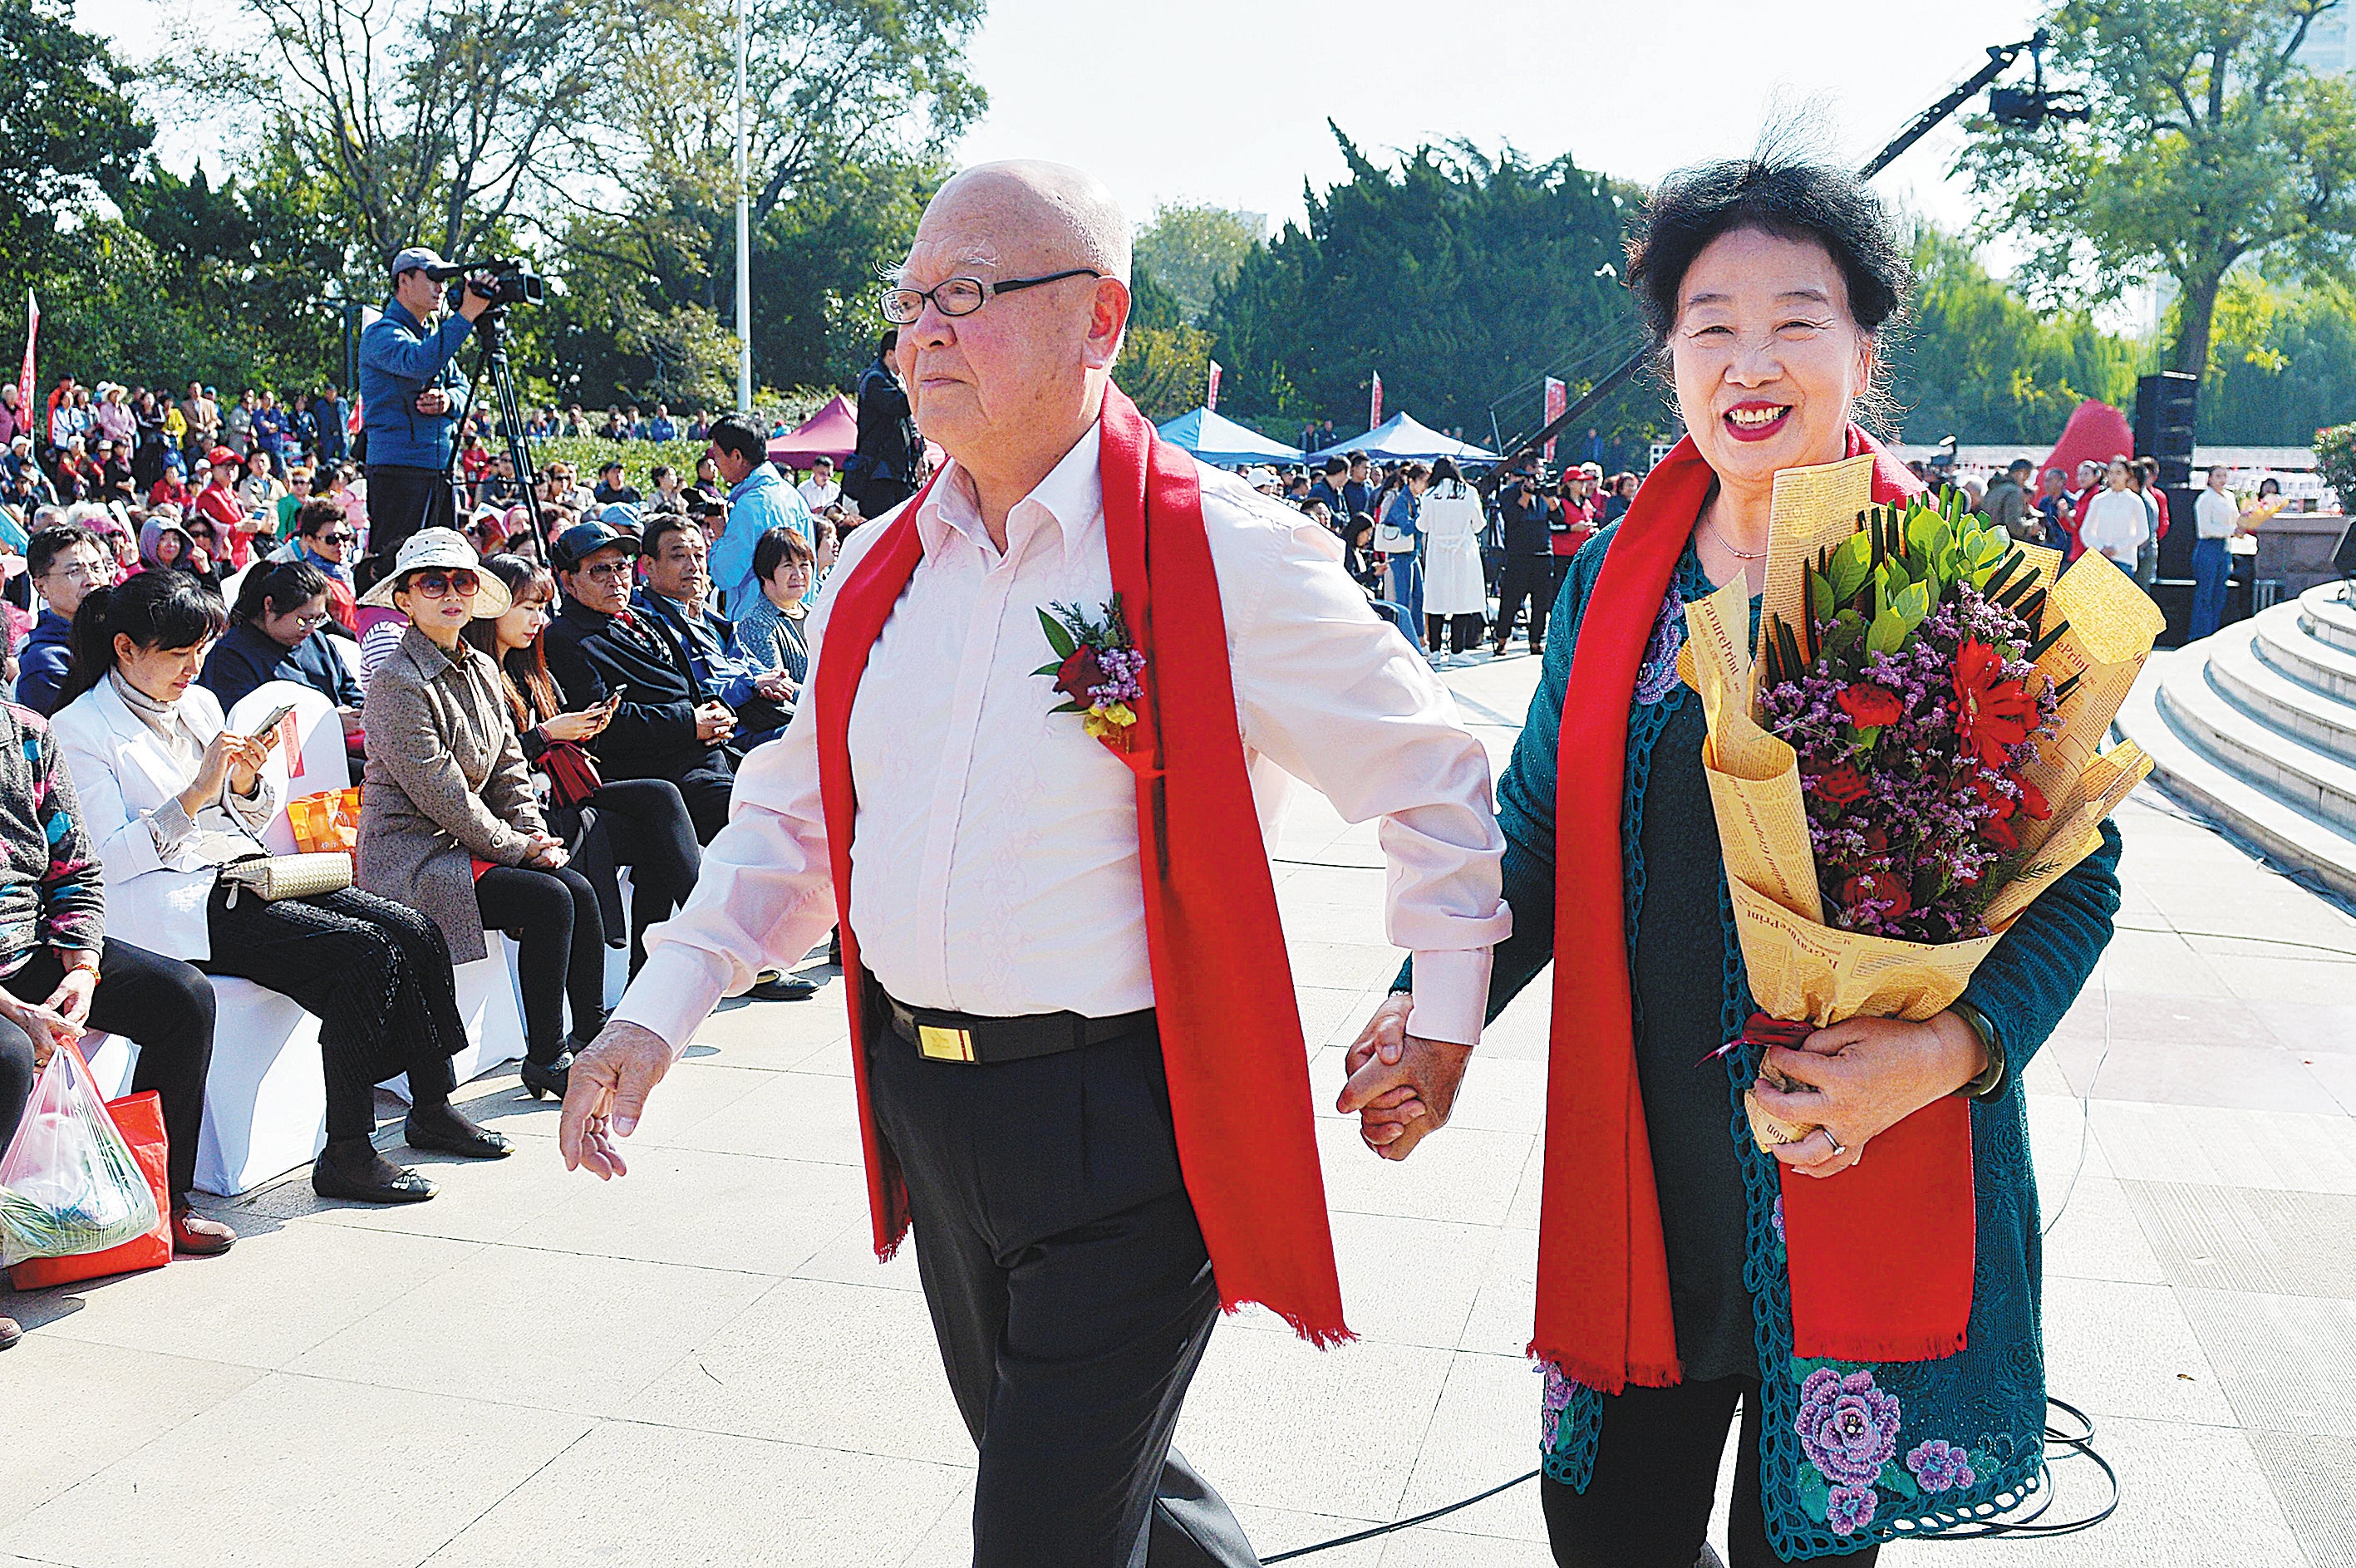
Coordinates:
[547,851]
[70,1000]
[1401,1086]
[776,685]
[713,722]
[230,757]
[42,1021]
[606,1095]
[1861,1077]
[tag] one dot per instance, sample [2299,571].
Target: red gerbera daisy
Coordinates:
[1994,712]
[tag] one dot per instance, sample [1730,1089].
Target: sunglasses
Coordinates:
[442,584]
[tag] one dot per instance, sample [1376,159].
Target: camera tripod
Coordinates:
[490,330]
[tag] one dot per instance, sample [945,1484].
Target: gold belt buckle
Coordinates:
[937,1044]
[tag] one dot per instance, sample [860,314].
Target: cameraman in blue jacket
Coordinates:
[411,400]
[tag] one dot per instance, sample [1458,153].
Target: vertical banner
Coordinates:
[1211,393]
[1558,398]
[1374,406]
[24,377]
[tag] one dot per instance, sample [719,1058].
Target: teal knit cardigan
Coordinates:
[1954,1439]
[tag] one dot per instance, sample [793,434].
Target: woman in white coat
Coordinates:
[1455,591]
[169,794]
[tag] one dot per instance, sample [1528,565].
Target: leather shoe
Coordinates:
[351,1169]
[783,988]
[552,1079]
[9,1333]
[441,1128]
[194,1236]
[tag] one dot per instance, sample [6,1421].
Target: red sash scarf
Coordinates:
[1881,1254]
[1222,985]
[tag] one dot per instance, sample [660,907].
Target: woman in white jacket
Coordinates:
[1455,591]
[169,794]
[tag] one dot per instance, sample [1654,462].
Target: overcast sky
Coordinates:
[1226,100]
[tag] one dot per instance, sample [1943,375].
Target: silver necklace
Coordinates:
[1724,544]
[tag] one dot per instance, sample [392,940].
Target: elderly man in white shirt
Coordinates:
[1037,1035]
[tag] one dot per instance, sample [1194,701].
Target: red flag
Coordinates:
[24,377]
[1375,412]
[1558,398]
[1210,397]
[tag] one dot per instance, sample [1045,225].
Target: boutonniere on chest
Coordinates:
[1096,667]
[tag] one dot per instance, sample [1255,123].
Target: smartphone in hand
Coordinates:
[267,730]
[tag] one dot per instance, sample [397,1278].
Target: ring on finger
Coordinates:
[1839,1148]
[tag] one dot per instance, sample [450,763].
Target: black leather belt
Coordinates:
[962,1037]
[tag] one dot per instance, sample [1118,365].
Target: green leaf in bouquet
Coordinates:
[1927,534]
[1068,707]
[1849,565]
[1869,735]
[1059,636]
[1820,596]
[1913,604]
[1052,666]
[1888,632]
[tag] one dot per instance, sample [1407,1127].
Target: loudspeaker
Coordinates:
[2176,550]
[2164,410]
[2343,554]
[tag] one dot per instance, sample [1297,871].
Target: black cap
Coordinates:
[582,540]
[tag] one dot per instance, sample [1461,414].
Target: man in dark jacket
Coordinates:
[665,728]
[65,561]
[1529,561]
[882,472]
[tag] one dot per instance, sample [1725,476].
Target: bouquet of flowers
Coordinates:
[1914,754]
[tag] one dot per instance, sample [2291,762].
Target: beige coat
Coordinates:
[447,784]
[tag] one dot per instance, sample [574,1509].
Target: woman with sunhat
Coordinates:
[449,823]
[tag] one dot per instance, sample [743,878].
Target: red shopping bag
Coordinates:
[140,1119]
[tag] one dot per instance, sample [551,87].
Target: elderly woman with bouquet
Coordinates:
[1666,1285]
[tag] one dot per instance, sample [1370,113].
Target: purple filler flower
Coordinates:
[1942,1466]
[1850,1509]
[1848,1427]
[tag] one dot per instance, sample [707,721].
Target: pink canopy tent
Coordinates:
[832,431]
[2097,432]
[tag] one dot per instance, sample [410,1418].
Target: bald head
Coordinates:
[1026,212]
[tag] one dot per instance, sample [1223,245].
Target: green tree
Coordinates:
[1195,252]
[69,126]
[2284,362]
[1459,277]
[2208,143]
[1977,362]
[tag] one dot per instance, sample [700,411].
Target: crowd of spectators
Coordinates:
[528,714]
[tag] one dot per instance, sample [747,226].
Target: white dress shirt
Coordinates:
[994,866]
[2115,523]
[818,495]
[2214,512]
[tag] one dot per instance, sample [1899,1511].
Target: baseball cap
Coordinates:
[414,257]
[582,540]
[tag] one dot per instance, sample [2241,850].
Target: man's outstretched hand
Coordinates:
[1401,1086]
[607,1095]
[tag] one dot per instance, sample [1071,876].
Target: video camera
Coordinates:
[505,279]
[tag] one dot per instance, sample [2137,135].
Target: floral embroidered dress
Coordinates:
[1851,1452]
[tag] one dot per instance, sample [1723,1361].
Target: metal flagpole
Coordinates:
[743,225]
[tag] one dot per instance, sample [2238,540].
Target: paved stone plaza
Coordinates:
[704,1365]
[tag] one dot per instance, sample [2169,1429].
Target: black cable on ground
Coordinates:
[2078,1442]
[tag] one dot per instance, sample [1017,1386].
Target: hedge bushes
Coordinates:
[2335,457]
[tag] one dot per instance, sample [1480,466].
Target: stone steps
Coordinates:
[2256,726]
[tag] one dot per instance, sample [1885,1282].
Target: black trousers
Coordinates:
[560,950]
[376,975]
[1655,1474]
[1070,1293]
[1463,633]
[401,501]
[1531,577]
[161,1004]
[642,823]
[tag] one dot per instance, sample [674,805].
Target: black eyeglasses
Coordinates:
[963,296]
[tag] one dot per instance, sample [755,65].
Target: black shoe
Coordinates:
[352,1170]
[553,1078]
[783,988]
[439,1127]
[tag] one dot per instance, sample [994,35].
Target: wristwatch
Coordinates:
[1991,1079]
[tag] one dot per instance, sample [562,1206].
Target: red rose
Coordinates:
[1877,841]
[2003,805]
[1884,887]
[2033,802]
[1999,832]
[1078,674]
[1868,705]
[1840,784]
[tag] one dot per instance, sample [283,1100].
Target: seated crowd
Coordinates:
[526,724]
